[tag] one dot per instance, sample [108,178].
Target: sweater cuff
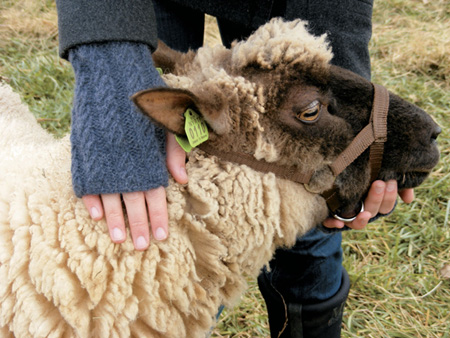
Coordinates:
[115,148]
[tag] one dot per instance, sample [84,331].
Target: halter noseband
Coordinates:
[374,135]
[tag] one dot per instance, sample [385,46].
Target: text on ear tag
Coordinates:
[196,131]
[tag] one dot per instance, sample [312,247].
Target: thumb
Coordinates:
[407,195]
[176,160]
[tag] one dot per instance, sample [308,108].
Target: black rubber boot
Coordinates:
[288,320]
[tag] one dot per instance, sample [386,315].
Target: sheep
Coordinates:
[63,277]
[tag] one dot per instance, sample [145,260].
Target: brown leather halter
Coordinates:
[374,135]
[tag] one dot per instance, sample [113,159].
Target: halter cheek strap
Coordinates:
[374,135]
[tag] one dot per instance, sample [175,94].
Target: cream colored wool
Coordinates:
[282,42]
[63,277]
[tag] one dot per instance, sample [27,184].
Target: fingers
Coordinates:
[407,195]
[93,204]
[389,198]
[114,217]
[157,211]
[137,218]
[176,160]
[333,223]
[362,219]
[380,199]
[140,207]
[374,197]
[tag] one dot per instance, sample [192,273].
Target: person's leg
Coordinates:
[311,270]
[306,287]
[231,31]
[179,27]
[348,25]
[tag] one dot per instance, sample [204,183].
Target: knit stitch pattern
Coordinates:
[115,148]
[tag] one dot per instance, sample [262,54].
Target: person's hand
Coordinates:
[380,199]
[141,207]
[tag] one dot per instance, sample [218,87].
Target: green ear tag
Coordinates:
[160,71]
[184,143]
[196,131]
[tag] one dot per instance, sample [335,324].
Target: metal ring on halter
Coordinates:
[351,219]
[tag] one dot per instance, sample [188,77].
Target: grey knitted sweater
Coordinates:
[115,148]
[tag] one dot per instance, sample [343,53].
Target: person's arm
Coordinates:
[84,23]
[115,148]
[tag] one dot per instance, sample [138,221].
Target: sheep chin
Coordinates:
[411,179]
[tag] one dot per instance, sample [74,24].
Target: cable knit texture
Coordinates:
[115,149]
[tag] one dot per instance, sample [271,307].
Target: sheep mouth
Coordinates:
[415,175]
[411,179]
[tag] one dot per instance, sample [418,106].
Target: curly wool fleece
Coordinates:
[63,277]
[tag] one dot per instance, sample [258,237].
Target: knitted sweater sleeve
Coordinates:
[115,148]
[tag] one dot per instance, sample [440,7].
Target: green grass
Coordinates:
[395,265]
[30,63]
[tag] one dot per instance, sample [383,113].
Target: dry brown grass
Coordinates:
[413,36]
[27,18]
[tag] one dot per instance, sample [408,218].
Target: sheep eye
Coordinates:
[311,113]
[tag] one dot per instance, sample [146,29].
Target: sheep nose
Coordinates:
[434,135]
[436,132]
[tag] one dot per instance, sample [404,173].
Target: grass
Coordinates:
[398,289]
[30,63]
[399,266]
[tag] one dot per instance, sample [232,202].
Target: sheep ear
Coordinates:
[166,106]
[167,58]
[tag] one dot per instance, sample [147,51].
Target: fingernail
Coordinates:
[379,189]
[183,174]
[160,234]
[95,213]
[391,186]
[117,234]
[141,243]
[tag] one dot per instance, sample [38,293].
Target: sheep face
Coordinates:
[326,115]
[285,103]
[410,152]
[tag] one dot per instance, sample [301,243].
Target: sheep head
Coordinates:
[277,97]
